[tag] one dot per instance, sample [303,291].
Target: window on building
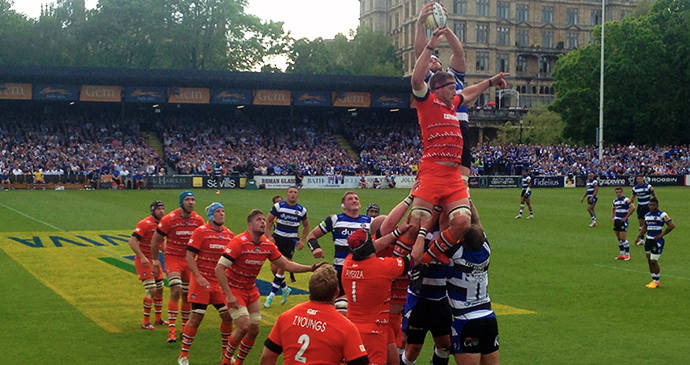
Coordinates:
[503,10]
[459,30]
[482,33]
[407,10]
[521,64]
[460,7]
[523,37]
[624,13]
[483,7]
[545,67]
[522,12]
[482,61]
[503,36]
[547,14]
[596,17]
[502,62]
[572,40]
[547,39]
[413,8]
[572,16]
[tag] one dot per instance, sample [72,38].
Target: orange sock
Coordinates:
[147,310]
[245,346]
[188,333]
[232,346]
[172,313]
[158,304]
[443,242]
[225,333]
[186,309]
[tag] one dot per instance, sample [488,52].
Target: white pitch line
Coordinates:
[62,230]
[640,271]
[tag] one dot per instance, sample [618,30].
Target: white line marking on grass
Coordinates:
[639,271]
[68,232]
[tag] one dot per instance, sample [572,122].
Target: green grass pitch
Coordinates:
[560,296]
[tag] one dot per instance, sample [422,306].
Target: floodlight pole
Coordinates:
[601,87]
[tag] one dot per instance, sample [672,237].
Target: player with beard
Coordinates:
[203,252]
[176,227]
[341,226]
[237,270]
[140,242]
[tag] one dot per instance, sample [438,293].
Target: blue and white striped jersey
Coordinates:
[468,282]
[621,206]
[591,185]
[434,281]
[342,227]
[462,112]
[288,218]
[655,223]
[643,193]
[526,180]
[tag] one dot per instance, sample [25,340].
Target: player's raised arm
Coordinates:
[471,93]
[420,33]
[421,67]
[457,58]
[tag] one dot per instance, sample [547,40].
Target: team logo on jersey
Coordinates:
[193,295]
[361,348]
[363,225]
[186,222]
[312,311]
[471,342]
[257,249]
[220,235]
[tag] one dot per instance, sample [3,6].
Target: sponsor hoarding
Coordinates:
[271,97]
[352,99]
[15,91]
[56,92]
[110,94]
[188,95]
[146,94]
[169,182]
[311,98]
[390,100]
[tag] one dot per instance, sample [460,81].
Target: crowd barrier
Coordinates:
[402,182]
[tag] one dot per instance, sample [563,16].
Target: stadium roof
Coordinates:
[200,78]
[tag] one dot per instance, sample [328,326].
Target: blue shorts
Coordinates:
[594,200]
[526,193]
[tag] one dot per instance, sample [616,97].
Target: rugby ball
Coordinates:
[437,18]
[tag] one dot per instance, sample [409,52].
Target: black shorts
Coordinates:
[642,210]
[286,245]
[427,316]
[475,336]
[620,226]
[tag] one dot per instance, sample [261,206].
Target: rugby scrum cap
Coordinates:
[185,194]
[361,244]
[156,204]
[212,209]
[374,207]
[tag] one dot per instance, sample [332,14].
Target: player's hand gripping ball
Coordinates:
[438,18]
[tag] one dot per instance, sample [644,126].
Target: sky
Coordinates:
[303,18]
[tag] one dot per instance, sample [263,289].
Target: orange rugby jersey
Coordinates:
[367,284]
[209,245]
[144,233]
[440,129]
[178,230]
[315,333]
[247,259]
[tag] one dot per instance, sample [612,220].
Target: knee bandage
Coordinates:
[221,308]
[200,311]
[185,286]
[460,211]
[149,285]
[241,312]
[174,281]
[419,212]
[654,256]
[255,318]
[159,284]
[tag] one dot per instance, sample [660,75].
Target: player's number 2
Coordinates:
[304,341]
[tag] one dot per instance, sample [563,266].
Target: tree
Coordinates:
[539,126]
[365,52]
[647,70]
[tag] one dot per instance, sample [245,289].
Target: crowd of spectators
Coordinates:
[255,146]
[305,144]
[574,160]
[75,150]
